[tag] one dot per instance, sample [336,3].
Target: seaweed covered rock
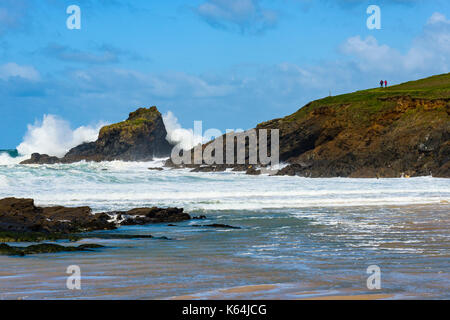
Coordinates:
[21,215]
[141,216]
[37,158]
[6,249]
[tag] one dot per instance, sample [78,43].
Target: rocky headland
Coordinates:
[402,130]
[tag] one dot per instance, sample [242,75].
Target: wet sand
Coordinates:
[355,297]
[280,291]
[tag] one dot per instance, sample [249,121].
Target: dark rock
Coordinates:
[217,225]
[214,168]
[44,248]
[253,171]
[142,216]
[240,168]
[21,215]
[40,237]
[156,169]
[114,236]
[8,236]
[90,246]
[37,158]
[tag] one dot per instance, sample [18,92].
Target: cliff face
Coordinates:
[401,130]
[139,138]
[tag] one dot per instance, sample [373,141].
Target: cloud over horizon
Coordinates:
[429,52]
[13,70]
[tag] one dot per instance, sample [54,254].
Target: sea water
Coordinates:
[299,237]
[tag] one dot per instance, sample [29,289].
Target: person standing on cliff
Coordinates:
[385,83]
[381,83]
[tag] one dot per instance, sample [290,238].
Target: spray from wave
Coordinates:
[53,136]
[177,135]
[8,157]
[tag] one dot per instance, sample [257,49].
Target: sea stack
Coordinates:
[141,137]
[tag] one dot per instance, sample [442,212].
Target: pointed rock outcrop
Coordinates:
[141,137]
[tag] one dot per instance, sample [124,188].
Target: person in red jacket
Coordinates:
[385,83]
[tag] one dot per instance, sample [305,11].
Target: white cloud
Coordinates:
[438,17]
[429,52]
[11,70]
[370,54]
[246,15]
[164,85]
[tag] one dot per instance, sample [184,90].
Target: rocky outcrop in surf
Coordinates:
[22,216]
[141,137]
[37,158]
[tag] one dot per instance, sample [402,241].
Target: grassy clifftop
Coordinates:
[136,121]
[367,102]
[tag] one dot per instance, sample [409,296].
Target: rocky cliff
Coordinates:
[399,131]
[139,138]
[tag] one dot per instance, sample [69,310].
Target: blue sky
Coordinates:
[229,63]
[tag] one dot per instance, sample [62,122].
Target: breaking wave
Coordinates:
[177,135]
[54,136]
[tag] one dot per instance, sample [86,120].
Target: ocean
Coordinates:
[299,237]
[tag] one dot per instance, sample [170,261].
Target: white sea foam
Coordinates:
[54,136]
[120,185]
[6,159]
[3,182]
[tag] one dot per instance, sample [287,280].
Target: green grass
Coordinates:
[361,105]
[137,119]
[127,123]
[127,126]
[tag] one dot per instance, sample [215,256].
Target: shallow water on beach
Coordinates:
[300,238]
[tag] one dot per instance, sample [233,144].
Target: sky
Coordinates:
[229,63]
